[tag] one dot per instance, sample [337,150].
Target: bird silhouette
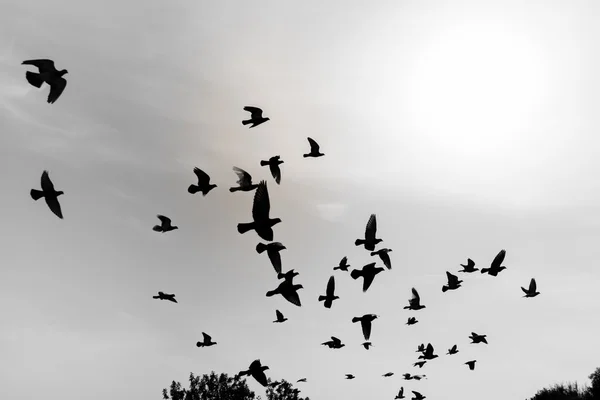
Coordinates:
[428,353]
[273,164]
[387,374]
[471,364]
[329,293]
[262,224]
[452,350]
[288,276]
[421,348]
[273,250]
[256,116]
[366,345]
[343,265]
[532,291]
[420,364]
[289,291]
[257,371]
[244,181]
[384,256]
[365,322]
[407,377]
[280,317]
[370,232]
[470,267]
[411,321]
[400,394]
[368,273]
[496,265]
[165,225]
[49,194]
[301,380]
[165,296]
[475,338]
[49,74]
[453,282]
[206,341]
[414,303]
[417,396]
[314,149]
[334,343]
[203,185]
[350,376]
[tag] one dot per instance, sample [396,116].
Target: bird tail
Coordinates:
[193,189]
[156,297]
[34,79]
[444,288]
[261,247]
[157,228]
[306,155]
[36,194]
[271,293]
[356,273]
[322,298]
[336,268]
[263,163]
[245,227]
[200,344]
[358,242]
[246,122]
[234,189]
[484,270]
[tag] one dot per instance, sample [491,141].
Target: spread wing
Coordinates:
[416,299]
[330,287]
[290,294]
[255,365]
[366,328]
[262,205]
[43,65]
[57,86]
[203,178]
[385,257]
[276,172]
[452,279]
[275,260]
[279,314]
[255,111]
[164,220]
[498,259]
[206,337]
[344,261]
[260,377]
[532,285]
[314,146]
[336,341]
[367,281]
[244,178]
[47,185]
[54,206]
[371,229]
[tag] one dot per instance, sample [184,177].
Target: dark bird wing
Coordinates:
[43,65]
[203,178]
[452,279]
[367,280]
[344,261]
[244,178]
[314,146]
[290,294]
[532,285]
[255,111]
[416,299]
[54,206]
[57,86]
[330,287]
[164,220]
[371,229]
[275,258]
[47,185]
[262,205]
[366,328]
[279,314]
[260,377]
[336,341]
[276,172]
[385,257]
[498,259]
[206,337]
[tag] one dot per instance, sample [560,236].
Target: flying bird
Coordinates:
[288,276]
[165,225]
[280,317]
[421,348]
[49,194]
[257,371]
[471,364]
[411,321]
[256,116]
[470,267]
[49,74]
[343,265]
[496,265]
[407,377]
[475,338]
[314,149]
[428,353]
[301,380]
[203,185]
[273,164]
[452,350]
[244,181]
[329,293]
[366,345]
[289,292]
[368,273]
[453,282]
[334,343]
[273,250]
[350,376]
[206,341]
[385,257]
[370,232]
[262,224]
[400,394]
[387,374]
[365,322]
[165,296]
[414,303]
[417,396]
[532,291]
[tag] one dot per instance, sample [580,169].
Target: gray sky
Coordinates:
[466,126]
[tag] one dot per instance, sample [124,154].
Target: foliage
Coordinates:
[284,391]
[572,391]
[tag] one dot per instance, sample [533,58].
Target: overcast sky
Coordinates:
[466,126]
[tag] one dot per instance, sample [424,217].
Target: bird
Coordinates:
[49,194]
[289,291]
[203,185]
[385,257]
[471,364]
[365,322]
[334,343]
[273,164]
[428,353]
[165,225]
[407,377]
[475,338]
[370,232]
[329,293]
[244,181]
[273,250]
[421,348]
[262,224]
[453,282]
[414,303]
[417,396]
[400,394]
[368,273]
[256,116]
[419,364]
[532,291]
[301,380]
[496,265]
[452,350]
[206,341]
[343,265]
[165,296]
[257,371]
[350,376]
[314,149]
[411,321]
[470,267]
[280,317]
[387,374]
[366,345]
[288,276]
[49,74]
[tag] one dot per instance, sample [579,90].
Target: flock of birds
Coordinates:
[263,225]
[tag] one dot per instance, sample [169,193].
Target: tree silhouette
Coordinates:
[594,390]
[284,391]
[572,391]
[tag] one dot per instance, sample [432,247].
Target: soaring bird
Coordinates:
[244,181]
[368,273]
[280,317]
[428,353]
[206,341]
[289,292]
[329,293]
[273,164]
[400,394]
[350,376]
[343,266]
[49,74]
[452,350]
[288,276]
[471,364]
[385,257]
[417,396]
[165,296]
[387,374]
[49,194]
[370,232]
[273,250]
[453,282]
[257,371]
[365,323]
[301,380]
[470,267]
[203,185]
[314,149]
[411,321]
[165,224]
[496,265]
[334,343]
[262,224]
[366,345]
[420,364]
[256,117]
[532,291]
[475,338]
[414,303]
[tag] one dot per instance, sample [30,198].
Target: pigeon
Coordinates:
[415,302]
[343,266]
[419,364]
[273,250]
[496,265]
[288,276]
[301,380]
[256,117]
[350,376]
[49,194]
[280,317]
[532,291]
[471,364]
[407,377]
[49,74]
[385,257]
[203,185]
[257,371]
[165,296]
[244,181]
[273,164]
[165,225]
[453,282]
[365,323]
[206,341]
[475,338]
[428,354]
[314,149]
[329,295]
[387,374]
[452,350]
[421,348]
[417,396]
[334,343]
[289,292]
[400,394]
[411,321]
[366,345]
[470,267]
[262,224]
[369,241]
[368,273]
